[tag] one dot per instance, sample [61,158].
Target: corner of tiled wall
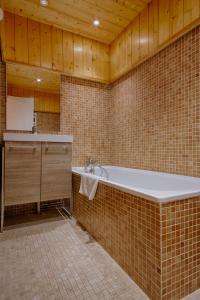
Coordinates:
[85,113]
[148,119]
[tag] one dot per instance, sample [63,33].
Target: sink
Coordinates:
[37,137]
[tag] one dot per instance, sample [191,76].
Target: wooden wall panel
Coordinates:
[153,25]
[164,20]
[34,47]
[46,46]
[68,52]
[176,16]
[21,39]
[144,33]
[78,55]
[158,25]
[37,44]
[77,15]
[136,40]
[87,57]
[44,102]
[129,47]
[10,36]
[191,11]
[57,48]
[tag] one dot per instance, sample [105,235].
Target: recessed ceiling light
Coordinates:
[96,22]
[44,2]
[39,80]
[78,49]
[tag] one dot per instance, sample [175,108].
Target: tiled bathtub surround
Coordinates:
[149,119]
[157,244]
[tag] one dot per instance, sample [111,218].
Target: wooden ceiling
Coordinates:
[19,75]
[77,15]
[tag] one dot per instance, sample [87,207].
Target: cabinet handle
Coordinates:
[56,150]
[29,148]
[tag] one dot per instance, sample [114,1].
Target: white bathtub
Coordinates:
[157,186]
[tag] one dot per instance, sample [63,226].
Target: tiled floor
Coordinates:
[56,259]
[53,258]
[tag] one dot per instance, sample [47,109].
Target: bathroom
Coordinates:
[99,128]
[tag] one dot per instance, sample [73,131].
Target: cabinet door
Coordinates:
[56,171]
[22,172]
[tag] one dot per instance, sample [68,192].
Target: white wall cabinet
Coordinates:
[19,113]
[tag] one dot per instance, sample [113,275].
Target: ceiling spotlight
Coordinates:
[96,22]
[44,2]
[39,80]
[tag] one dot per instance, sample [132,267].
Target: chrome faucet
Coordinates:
[90,168]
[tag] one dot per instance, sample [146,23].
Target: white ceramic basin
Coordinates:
[29,137]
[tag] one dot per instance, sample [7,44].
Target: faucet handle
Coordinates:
[89,160]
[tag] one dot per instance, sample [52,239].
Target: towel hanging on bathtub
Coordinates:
[89,184]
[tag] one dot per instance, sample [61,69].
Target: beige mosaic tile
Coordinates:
[58,260]
[158,245]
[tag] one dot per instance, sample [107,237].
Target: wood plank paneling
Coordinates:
[191,11]
[10,36]
[26,76]
[164,20]
[34,43]
[21,39]
[154,28]
[144,32]
[136,40]
[87,57]
[43,101]
[57,49]
[68,52]
[153,25]
[176,16]
[129,46]
[77,15]
[78,55]
[46,46]
[42,45]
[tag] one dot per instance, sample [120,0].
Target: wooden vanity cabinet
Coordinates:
[22,172]
[56,171]
[37,171]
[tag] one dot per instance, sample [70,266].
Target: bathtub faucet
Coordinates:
[90,168]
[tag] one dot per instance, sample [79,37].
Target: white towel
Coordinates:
[89,184]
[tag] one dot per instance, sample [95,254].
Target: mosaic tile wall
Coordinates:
[155,111]
[148,119]
[48,122]
[85,113]
[157,245]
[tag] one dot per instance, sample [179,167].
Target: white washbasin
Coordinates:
[29,137]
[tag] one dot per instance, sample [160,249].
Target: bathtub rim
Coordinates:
[161,199]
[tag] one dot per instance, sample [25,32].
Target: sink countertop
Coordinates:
[29,137]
